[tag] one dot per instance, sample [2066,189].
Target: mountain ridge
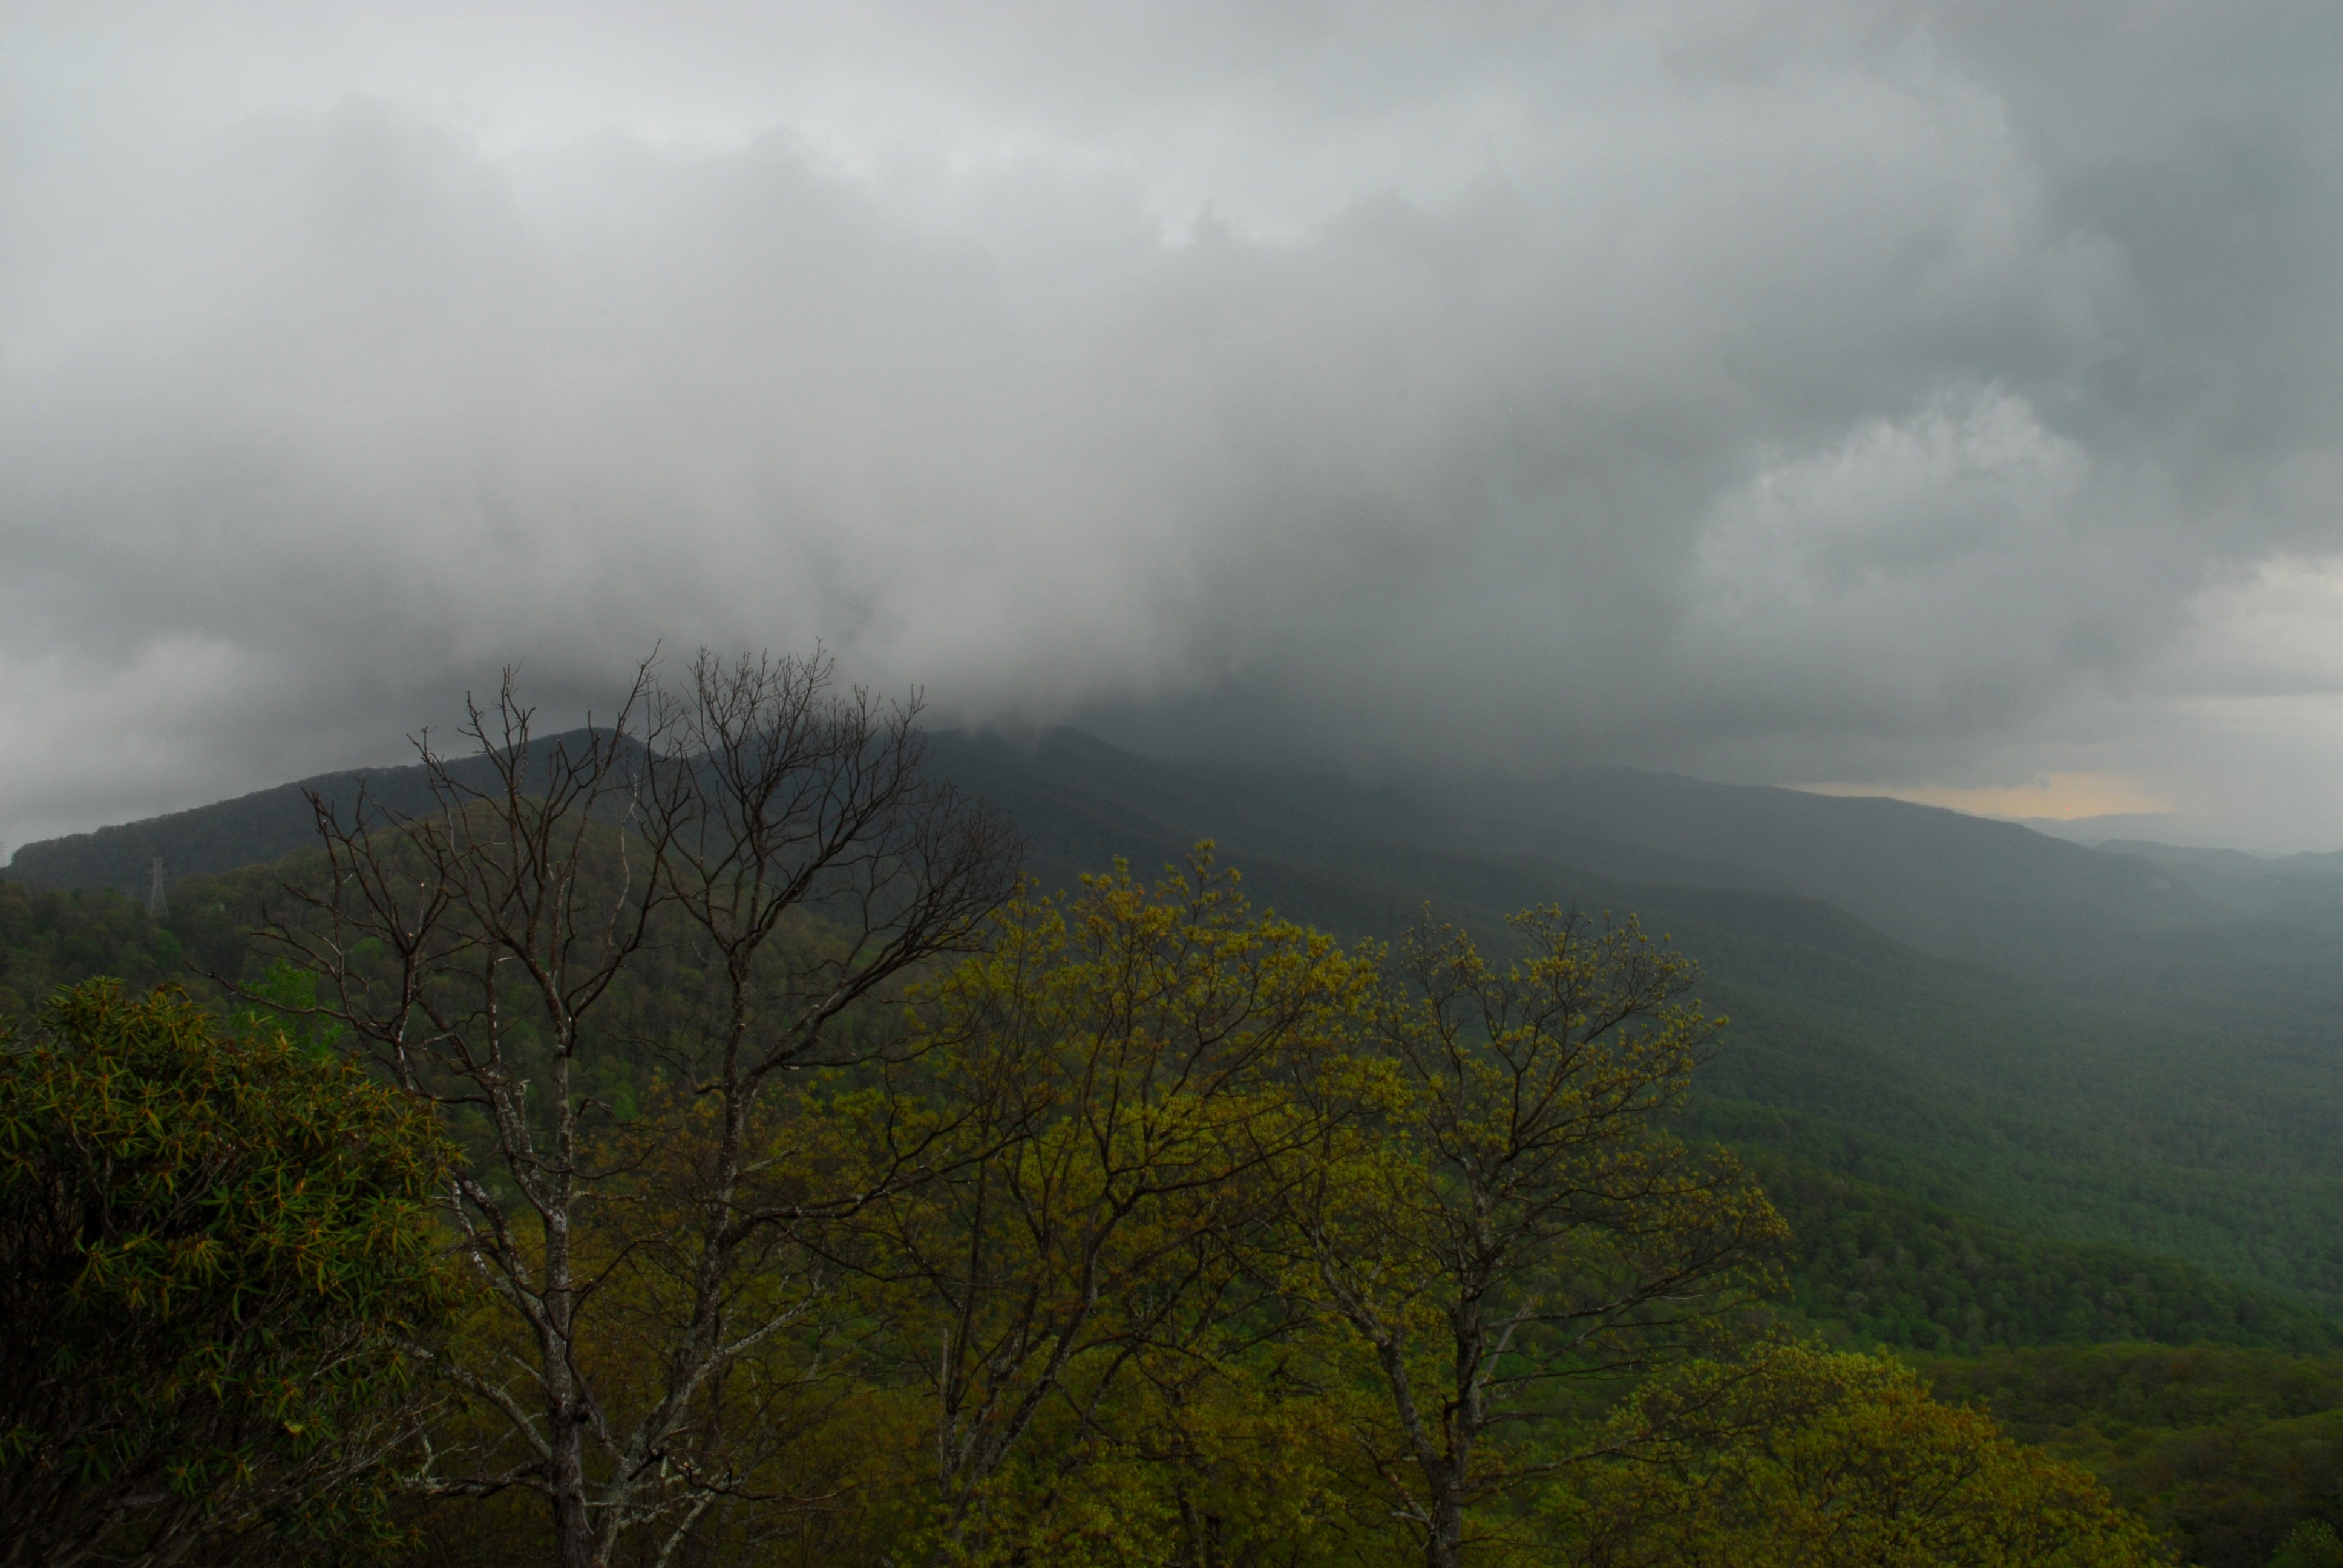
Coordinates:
[2121,1062]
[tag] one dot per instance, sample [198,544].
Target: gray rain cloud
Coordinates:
[1918,396]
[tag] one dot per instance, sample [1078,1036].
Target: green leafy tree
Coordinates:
[1797,1458]
[216,1256]
[2312,1544]
[1115,1075]
[1511,1216]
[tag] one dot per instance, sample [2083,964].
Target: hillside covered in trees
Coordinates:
[1970,1166]
[2153,1069]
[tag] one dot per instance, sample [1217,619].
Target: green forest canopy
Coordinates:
[1971,1164]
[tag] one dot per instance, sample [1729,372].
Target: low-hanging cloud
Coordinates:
[1807,393]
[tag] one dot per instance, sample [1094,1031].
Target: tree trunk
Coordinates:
[1444,1545]
[573,1528]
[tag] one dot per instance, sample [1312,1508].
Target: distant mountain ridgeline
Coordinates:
[2072,1045]
[2138,924]
[2300,888]
[1955,886]
[263,826]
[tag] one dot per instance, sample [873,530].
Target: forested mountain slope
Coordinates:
[1946,883]
[244,832]
[2187,1110]
[2306,888]
[1870,1263]
[1957,886]
[2227,1451]
[2082,1115]
[2103,923]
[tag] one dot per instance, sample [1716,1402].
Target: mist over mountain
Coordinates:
[1891,396]
[1854,487]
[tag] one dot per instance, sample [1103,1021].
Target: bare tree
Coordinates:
[711,890]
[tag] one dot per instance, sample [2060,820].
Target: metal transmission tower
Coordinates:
[157,905]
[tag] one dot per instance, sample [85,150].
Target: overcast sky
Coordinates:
[1939,399]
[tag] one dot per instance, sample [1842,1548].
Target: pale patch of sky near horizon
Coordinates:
[1945,397]
[2056,797]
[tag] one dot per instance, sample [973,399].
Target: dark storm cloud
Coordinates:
[1790,392]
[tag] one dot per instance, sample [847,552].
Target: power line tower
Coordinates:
[157,905]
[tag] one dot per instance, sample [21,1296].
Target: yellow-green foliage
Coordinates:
[1506,1220]
[1118,1091]
[215,1254]
[1162,1232]
[1168,1218]
[1797,1458]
